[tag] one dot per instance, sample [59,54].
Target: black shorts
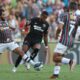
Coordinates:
[31,41]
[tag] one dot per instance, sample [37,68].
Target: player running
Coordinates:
[38,30]
[6,41]
[68,24]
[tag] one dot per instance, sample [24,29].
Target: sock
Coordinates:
[56,70]
[65,60]
[18,61]
[26,58]
[28,54]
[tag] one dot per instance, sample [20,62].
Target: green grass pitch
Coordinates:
[44,74]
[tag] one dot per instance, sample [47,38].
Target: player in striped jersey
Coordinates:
[68,25]
[6,41]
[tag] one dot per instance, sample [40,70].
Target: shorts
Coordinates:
[11,46]
[60,48]
[31,43]
[31,40]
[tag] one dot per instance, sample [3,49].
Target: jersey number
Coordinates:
[71,29]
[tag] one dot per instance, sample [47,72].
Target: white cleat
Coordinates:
[14,69]
[27,65]
[38,66]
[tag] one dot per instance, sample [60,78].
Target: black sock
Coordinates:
[34,54]
[18,61]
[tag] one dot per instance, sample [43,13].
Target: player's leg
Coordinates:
[36,49]
[27,65]
[38,65]
[59,58]
[15,48]
[20,58]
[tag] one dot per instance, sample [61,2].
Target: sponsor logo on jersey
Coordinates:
[38,28]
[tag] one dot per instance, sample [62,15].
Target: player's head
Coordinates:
[44,15]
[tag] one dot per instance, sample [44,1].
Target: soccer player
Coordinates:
[38,30]
[68,25]
[6,41]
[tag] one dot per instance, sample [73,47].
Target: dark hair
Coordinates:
[44,13]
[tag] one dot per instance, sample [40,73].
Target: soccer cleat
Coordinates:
[54,77]
[38,66]
[27,65]
[72,64]
[14,69]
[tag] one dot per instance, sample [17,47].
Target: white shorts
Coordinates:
[11,46]
[60,48]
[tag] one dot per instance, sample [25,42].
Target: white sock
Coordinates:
[28,59]
[28,55]
[65,60]
[24,57]
[56,70]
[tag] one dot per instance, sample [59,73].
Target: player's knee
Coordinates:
[56,57]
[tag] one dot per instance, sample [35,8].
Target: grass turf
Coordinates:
[44,74]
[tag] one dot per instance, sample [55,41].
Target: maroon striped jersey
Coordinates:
[70,22]
[5,32]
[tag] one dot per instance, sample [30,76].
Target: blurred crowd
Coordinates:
[19,12]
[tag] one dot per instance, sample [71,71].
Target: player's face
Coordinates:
[44,17]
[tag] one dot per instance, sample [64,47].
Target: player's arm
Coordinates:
[58,30]
[45,36]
